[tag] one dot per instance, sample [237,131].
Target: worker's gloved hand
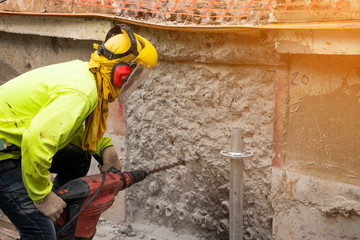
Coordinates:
[110,159]
[52,206]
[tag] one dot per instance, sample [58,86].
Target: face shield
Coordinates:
[133,81]
[145,61]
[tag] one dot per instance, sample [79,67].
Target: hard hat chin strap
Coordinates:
[102,50]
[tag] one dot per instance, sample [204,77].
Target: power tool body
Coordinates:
[88,197]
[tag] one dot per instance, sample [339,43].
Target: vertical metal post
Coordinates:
[237,155]
[236,185]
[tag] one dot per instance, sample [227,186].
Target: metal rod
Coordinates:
[236,185]
[162,168]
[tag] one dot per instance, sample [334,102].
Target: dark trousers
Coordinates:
[69,163]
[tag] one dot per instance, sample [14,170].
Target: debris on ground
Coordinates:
[107,230]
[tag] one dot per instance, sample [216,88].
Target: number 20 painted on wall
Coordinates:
[296,79]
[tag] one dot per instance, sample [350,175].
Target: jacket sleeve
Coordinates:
[103,143]
[51,129]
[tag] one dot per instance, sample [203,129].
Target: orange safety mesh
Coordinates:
[217,9]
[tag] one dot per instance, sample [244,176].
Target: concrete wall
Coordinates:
[316,191]
[203,85]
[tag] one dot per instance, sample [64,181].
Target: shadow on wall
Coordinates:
[6,73]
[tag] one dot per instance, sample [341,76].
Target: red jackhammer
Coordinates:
[88,197]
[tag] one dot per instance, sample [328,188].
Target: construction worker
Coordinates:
[41,126]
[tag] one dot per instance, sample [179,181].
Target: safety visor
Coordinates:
[133,81]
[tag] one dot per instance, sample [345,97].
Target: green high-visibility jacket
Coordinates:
[41,112]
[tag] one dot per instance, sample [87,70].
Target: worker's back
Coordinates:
[24,97]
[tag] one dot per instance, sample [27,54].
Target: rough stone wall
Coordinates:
[27,52]
[203,85]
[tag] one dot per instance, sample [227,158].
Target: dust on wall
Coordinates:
[203,85]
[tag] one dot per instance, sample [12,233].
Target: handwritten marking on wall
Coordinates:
[299,79]
[233,100]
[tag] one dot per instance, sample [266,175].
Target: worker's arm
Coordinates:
[51,129]
[110,159]
[52,206]
[105,153]
[103,143]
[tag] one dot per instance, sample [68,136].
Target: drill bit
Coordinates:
[180,162]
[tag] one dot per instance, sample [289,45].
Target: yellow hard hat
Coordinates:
[132,55]
[121,43]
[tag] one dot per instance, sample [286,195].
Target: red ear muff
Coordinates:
[119,74]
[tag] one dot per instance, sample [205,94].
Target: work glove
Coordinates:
[51,206]
[110,159]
